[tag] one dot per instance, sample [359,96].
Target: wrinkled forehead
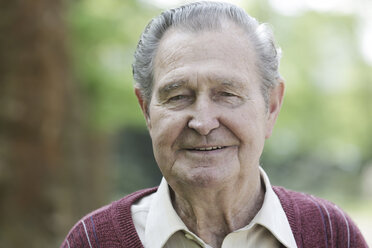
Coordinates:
[227,32]
[229,45]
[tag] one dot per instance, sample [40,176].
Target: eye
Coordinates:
[227,94]
[177,98]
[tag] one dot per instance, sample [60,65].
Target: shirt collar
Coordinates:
[162,216]
[272,216]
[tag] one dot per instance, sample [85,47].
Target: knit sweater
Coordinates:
[314,222]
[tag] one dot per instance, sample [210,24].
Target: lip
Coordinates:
[206,149]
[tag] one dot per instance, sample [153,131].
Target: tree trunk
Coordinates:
[40,128]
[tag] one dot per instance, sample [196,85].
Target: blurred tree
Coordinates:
[321,132]
[48,157]
[104,34]
[103,37]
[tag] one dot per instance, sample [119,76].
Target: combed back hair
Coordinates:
[206,16]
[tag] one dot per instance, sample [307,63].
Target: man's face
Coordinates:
[207,116]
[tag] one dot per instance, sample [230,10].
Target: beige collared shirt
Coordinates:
[158,224]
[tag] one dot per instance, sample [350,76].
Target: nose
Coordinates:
[204,118]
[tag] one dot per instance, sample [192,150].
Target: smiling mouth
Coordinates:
[211,148]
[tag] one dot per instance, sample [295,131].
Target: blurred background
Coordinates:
[72,137]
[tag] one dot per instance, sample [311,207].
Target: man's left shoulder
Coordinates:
[303,201]
[307,206]
[316,218]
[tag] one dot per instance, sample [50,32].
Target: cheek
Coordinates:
[247,124]
[249,127]
[166,126]
[165,129]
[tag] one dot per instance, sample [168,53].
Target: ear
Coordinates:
[274,106]
[144,106]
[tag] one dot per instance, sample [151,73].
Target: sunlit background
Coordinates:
[72,137]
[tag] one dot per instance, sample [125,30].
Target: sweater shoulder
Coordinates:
[318,221]
[107,226]
[306,205]
[302,200]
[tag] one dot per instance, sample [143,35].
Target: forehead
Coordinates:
[215,53]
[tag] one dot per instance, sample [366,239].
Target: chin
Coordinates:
[205,178]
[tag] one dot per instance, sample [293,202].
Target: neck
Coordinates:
[212,214]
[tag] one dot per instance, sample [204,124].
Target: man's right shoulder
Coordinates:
[108,226]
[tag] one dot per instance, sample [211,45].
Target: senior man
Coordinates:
[208,84]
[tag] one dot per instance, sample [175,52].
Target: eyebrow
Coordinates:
[226,82]
[230,82]
[166,89]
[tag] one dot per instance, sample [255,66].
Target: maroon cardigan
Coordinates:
[314,222]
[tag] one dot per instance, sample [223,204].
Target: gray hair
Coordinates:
[201,16]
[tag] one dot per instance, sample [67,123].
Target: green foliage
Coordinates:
[322,131]
[103,35]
